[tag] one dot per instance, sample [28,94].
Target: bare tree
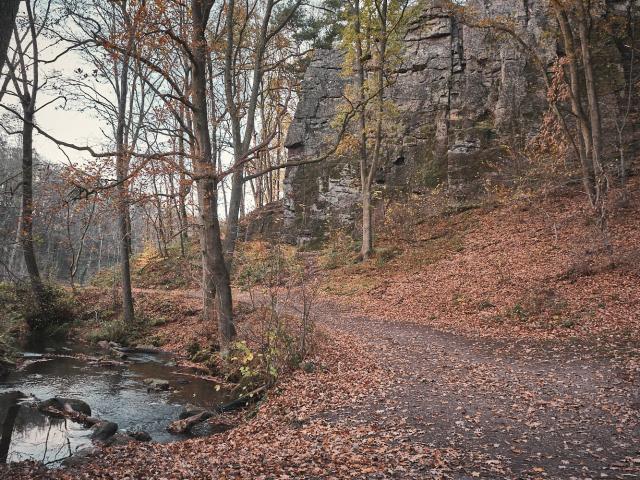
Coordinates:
[242,102]
[25,77]
[215,273]
[117,92]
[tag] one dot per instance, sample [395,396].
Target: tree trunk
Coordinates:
[367,165]
[182,189]
[594,107]
[235,202]
[584,135]
[367,230]
[214,270]
[26,216]
[125,267]
[13,266]
[122,200]
[242,138]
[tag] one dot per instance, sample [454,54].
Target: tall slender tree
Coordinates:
[372,39]
[215,272]
[24,72]
[241,102]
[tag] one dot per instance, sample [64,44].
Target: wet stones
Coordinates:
[103,430]
[190,410]
[66,404]
[207,428]
[5,367]
[139,435]
[185,425]
[156,384]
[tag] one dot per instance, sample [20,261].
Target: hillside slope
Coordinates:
[534,269]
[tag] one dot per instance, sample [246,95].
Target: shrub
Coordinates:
[262,264]
[113,331]
[50,313]
[264,362]
[276,332]
[339,251]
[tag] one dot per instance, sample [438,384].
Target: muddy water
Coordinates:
[116,394]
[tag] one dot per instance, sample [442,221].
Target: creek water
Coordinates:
[114,393]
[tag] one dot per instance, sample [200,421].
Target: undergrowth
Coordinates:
[277,333]
[149,269]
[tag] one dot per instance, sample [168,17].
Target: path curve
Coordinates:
[513,411]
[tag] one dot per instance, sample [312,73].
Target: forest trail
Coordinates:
[520,409]
[511,410]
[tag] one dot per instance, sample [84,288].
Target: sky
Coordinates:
[70,125]
[65,124]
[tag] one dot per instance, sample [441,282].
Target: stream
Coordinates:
[114,393]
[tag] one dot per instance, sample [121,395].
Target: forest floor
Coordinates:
[400,400]
[494,343]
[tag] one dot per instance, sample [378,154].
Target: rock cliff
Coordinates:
[462,93]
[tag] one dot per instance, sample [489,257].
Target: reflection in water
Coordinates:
[39,437]
[27,434]
[115,394]
[8,423]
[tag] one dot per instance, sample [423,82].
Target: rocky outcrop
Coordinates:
[263,223]
[317,194]
[461,93]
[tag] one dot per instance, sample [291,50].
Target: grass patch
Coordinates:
[127,334]
[112,331]
[340,250]
[101,319]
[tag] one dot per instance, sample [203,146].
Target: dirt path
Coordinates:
[509,411]
[496,409]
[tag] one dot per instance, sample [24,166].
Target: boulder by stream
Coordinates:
[66,404]
[103,430]
[5,366]
[156,384]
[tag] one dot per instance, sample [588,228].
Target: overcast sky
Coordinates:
[70,125]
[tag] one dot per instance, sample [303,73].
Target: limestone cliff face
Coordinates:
[462,94]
